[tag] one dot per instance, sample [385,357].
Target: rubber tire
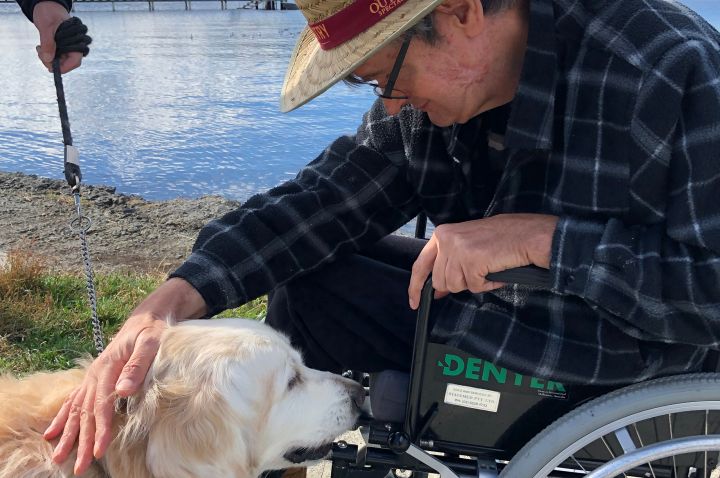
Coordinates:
[606,409]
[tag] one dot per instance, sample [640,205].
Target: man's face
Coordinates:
[474,65]
[435,78]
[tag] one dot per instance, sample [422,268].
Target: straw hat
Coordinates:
[340,36]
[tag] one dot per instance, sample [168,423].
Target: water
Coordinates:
[708,9]
[174,103]
[169,103]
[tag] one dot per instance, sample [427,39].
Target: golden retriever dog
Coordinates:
[223,398]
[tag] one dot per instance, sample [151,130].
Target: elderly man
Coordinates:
[47,15]
[578,136]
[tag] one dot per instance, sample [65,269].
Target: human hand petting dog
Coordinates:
[460,255]
[86,415]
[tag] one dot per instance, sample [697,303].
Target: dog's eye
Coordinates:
[295,380]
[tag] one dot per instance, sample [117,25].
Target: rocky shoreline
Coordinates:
[127,232]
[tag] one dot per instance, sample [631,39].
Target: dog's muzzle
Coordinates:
[357,394]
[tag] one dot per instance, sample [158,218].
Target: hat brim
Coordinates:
[312,70]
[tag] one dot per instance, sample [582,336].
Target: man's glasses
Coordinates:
[389,92]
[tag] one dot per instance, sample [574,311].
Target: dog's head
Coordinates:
[231,397]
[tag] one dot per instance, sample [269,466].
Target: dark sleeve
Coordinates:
[349,197]
[28,6]
[662,276]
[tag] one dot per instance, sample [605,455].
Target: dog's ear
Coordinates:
[187,426]
[192,417]
[126,455]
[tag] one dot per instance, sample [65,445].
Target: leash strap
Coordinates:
[81,224]
[72,156]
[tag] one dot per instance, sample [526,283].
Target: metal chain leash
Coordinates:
[80,224]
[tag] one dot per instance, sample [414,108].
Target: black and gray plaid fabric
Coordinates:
[615,129]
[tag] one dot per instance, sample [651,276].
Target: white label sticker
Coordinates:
[470,397]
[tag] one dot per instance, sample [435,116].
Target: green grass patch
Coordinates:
[45,317]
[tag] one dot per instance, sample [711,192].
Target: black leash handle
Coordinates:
[62,106]
[73,175]
[70,36]
[528,275]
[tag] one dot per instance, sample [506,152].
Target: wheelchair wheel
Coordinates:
[674,414]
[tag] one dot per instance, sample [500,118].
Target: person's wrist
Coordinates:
[175,300]
[49,9]
[541,244]
[144,317]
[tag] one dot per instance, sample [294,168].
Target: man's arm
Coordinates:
[663,276]
[28,6]
[350,196]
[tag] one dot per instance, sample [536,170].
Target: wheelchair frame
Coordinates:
[614,419]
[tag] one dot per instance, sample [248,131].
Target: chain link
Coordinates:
[80,225]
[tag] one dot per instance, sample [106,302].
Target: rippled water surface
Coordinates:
[173,102]
[169,103]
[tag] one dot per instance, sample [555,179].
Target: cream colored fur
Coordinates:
[224,398]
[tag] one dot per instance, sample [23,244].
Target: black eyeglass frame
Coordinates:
[386,93]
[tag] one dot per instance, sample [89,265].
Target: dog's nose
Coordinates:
[357,392]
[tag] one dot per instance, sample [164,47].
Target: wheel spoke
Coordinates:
[642,444]
[580,467]
[705,467]
[608,447]
[670,422]
[610,451]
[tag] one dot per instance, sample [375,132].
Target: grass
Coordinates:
[45,317]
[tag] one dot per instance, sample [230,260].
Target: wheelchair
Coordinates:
[461,417]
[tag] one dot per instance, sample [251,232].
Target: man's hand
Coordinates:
[461,255]
[86,416]
[47,16]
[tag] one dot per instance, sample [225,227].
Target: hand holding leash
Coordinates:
[61,36]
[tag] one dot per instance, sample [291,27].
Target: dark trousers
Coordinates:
[352,313]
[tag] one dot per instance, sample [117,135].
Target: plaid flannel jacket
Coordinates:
[615,128]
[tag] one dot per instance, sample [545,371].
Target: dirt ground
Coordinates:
[127,232]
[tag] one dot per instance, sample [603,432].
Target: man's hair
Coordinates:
[426,31]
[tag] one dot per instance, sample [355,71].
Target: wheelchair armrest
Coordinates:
[528,275]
